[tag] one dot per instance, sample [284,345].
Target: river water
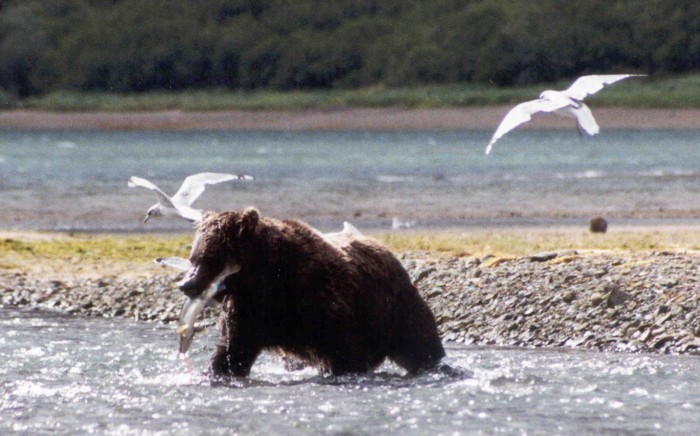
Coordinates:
[75,375]
[62,374]
[76,180]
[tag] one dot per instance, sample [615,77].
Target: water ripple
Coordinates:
[122,377]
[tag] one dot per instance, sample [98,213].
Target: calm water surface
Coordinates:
[72,375]
[77,179]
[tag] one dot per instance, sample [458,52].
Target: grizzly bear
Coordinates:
[342,303]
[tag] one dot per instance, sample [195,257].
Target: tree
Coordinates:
[135,45]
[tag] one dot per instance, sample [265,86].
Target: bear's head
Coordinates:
[216,250]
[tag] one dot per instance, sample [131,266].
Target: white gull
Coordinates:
[179,205]
[568,103]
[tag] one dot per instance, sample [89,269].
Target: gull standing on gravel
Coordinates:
[568,103]
[179,205]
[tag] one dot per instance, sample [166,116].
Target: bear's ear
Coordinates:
[249,220]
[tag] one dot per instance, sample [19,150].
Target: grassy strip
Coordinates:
[142,249]
[518,242]
[94,248]
[675,92]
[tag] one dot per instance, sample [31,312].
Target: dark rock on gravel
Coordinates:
[598,225]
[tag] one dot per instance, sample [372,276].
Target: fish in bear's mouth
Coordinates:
[190,312]
[194,305]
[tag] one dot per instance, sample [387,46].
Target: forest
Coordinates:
[135,45]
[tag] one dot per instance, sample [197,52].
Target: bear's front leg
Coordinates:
[236,351]
[233,360]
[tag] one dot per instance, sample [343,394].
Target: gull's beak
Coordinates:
[145,220]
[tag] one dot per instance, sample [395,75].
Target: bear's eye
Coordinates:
[212,261]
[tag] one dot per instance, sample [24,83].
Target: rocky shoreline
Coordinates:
[627,302]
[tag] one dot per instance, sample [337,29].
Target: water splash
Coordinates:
[132,378]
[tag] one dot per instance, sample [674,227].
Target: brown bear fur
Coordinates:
[342,303]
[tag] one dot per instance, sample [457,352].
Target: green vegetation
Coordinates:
[95,248]
[135,46]
[676,92]
[430,96]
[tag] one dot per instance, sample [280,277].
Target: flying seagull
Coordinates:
[568,103]
[179,205]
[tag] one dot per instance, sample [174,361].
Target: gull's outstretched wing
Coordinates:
[193,186]
[174,262]
[190,214]
[349,229]
[521,114]
[162,196]
[589,85]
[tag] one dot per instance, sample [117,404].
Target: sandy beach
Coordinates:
[472,118]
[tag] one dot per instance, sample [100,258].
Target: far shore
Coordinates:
[369,119]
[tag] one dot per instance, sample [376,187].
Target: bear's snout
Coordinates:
[200,277]
[194,283]
[190,289]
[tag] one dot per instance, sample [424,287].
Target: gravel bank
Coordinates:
[608,302]
[612,302]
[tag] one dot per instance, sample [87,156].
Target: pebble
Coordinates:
[611,302]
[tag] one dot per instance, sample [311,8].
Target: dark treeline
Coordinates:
[140,45]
